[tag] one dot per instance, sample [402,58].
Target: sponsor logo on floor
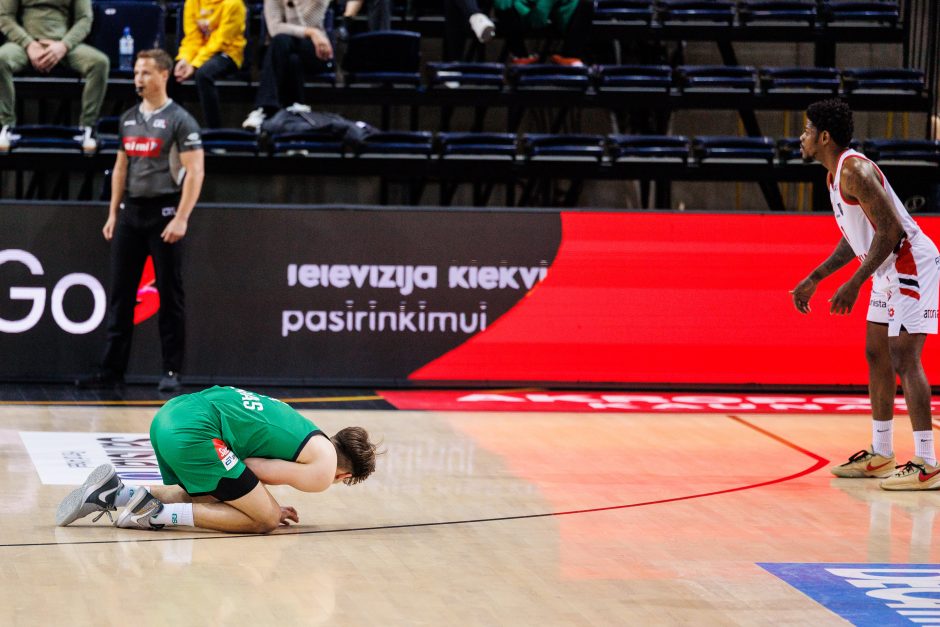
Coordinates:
[869,594]
[66,458]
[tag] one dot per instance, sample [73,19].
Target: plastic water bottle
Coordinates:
[126,51]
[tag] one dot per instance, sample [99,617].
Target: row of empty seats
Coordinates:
[497,146]
[660,78]
[749,11]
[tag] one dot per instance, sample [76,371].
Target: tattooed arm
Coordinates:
[807,287]
[862,183]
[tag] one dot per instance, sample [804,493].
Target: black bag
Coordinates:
[294,120]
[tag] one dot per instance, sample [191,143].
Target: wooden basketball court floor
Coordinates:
[493,518]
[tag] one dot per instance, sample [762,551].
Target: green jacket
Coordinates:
[539,13]
[24,21]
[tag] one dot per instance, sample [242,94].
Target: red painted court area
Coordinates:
[635,402]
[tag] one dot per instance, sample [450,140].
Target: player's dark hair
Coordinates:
[160,57]
[355,454]
[833,115]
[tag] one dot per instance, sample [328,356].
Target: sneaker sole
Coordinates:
[861,474]
[71,506]
[910,487]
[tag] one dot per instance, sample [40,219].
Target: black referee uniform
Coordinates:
[152,143]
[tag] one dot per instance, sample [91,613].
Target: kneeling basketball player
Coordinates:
[217,450]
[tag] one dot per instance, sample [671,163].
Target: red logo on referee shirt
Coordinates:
[143,146]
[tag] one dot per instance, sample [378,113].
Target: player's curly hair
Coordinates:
[355,454]
[833,115]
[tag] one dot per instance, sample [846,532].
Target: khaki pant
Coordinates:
[90,63]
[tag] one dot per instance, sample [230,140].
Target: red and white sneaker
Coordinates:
[865,463]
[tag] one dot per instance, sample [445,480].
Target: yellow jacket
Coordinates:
[211,27]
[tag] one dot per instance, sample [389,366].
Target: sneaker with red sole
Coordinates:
[529,60]
[557,59]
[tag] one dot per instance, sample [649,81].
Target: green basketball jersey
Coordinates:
[254,425]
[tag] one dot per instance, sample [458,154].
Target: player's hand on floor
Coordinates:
[288,513]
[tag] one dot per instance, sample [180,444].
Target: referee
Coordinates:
[155,184]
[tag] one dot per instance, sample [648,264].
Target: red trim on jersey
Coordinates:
[910,293]
[905,262]
[877,169]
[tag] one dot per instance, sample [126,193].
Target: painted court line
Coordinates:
[818,462]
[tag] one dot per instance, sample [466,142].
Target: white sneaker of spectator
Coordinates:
[483,27]
[254,120]
[5,138]
[89,143]
[299,108]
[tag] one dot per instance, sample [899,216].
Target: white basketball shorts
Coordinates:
[904,296]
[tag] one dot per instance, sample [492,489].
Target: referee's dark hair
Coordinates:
[832,115]
[160,57]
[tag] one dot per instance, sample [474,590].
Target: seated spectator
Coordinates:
[213,47]
[571,18]
[459,17]
[296,29]
[379,12]
[44,34]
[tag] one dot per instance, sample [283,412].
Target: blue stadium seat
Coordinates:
[106,132]
[310,143]
[548,76]
[751,11]
[633,77]
[383,58]
[624,11]
[696,11]
[477,145]
[147,21]
[566,147]
[729,147]
[478,75]
[874,11]
[229,141]
[815,79]
[717,78]
[43,137]
[627,148]
[399,143]
[905,80]
[902,150]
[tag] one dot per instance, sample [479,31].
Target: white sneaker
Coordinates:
[299,108]
[89,143]
[5,137]
[254,120]
[139,510]
[482,27]
[97,494]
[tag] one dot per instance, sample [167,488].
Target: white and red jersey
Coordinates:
[859,230]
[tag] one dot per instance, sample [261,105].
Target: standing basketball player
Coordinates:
[903,264]
[156,181]
[217,449]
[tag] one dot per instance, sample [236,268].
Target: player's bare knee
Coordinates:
[876,355]
[904,361]
[268,522]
